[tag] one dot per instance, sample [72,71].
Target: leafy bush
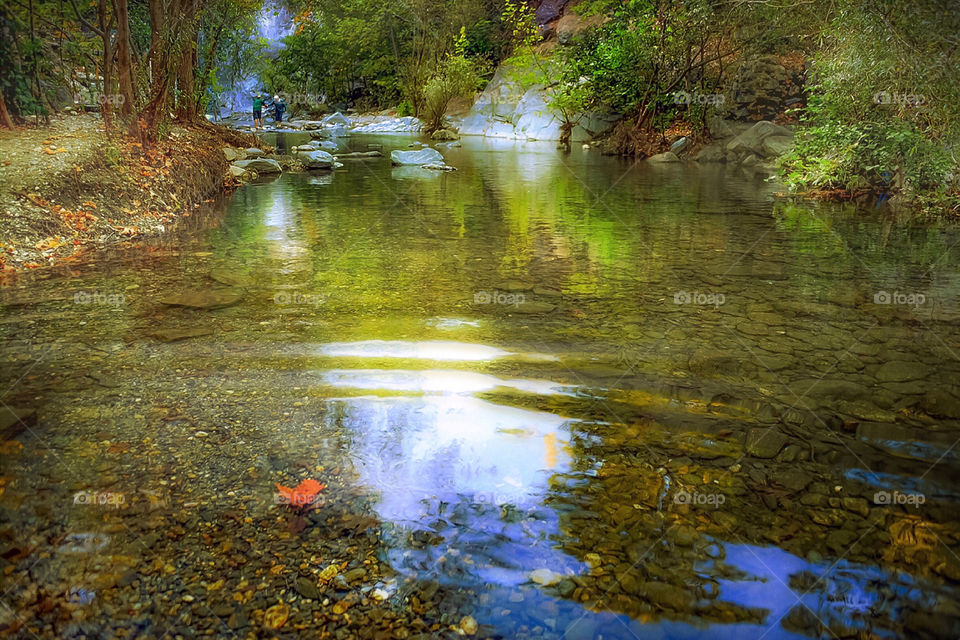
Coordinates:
[877,156]
[457,75]
[884,104]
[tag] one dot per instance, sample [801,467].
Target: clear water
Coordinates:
[537,362]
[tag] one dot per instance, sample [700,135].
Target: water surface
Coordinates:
[567,395]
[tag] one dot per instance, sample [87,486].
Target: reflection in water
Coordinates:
[441,350]
[435,381]
[452,449]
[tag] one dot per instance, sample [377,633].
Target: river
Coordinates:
[561,395]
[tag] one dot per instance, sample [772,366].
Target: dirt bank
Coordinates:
[69,188]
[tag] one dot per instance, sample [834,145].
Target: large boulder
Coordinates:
[711,153]
[753,137]
[510,109]
[419,157]
[260,165]
[316,159]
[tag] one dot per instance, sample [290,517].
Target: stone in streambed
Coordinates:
[901,371]
[765,443]
[227,277]
[307,589]
[316,159]
[204,299]
[665,595]
[419,157]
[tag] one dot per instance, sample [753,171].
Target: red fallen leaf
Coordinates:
[303,494]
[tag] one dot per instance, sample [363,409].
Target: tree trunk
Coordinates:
[186,104]
[4,114]
[106,105]
[124,64]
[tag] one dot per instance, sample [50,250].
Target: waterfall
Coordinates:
[273,25]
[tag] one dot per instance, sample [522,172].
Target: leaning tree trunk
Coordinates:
[124,63]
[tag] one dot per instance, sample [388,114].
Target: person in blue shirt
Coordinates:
[279,106]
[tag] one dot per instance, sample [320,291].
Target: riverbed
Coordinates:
[550,396]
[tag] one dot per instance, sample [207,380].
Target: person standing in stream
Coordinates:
[258,111]
[279,106]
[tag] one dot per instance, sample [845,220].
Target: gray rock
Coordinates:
[753,137]
[419,157]
[232,154]
[667,156]
[765,443]
[711,153]
[241,173]
[316,159]
[680,145]
[253,152]
[260,165]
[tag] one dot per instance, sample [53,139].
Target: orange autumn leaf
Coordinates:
[303,494]
[276,616]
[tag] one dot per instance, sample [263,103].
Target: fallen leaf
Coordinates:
[276,616]
[303,494]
